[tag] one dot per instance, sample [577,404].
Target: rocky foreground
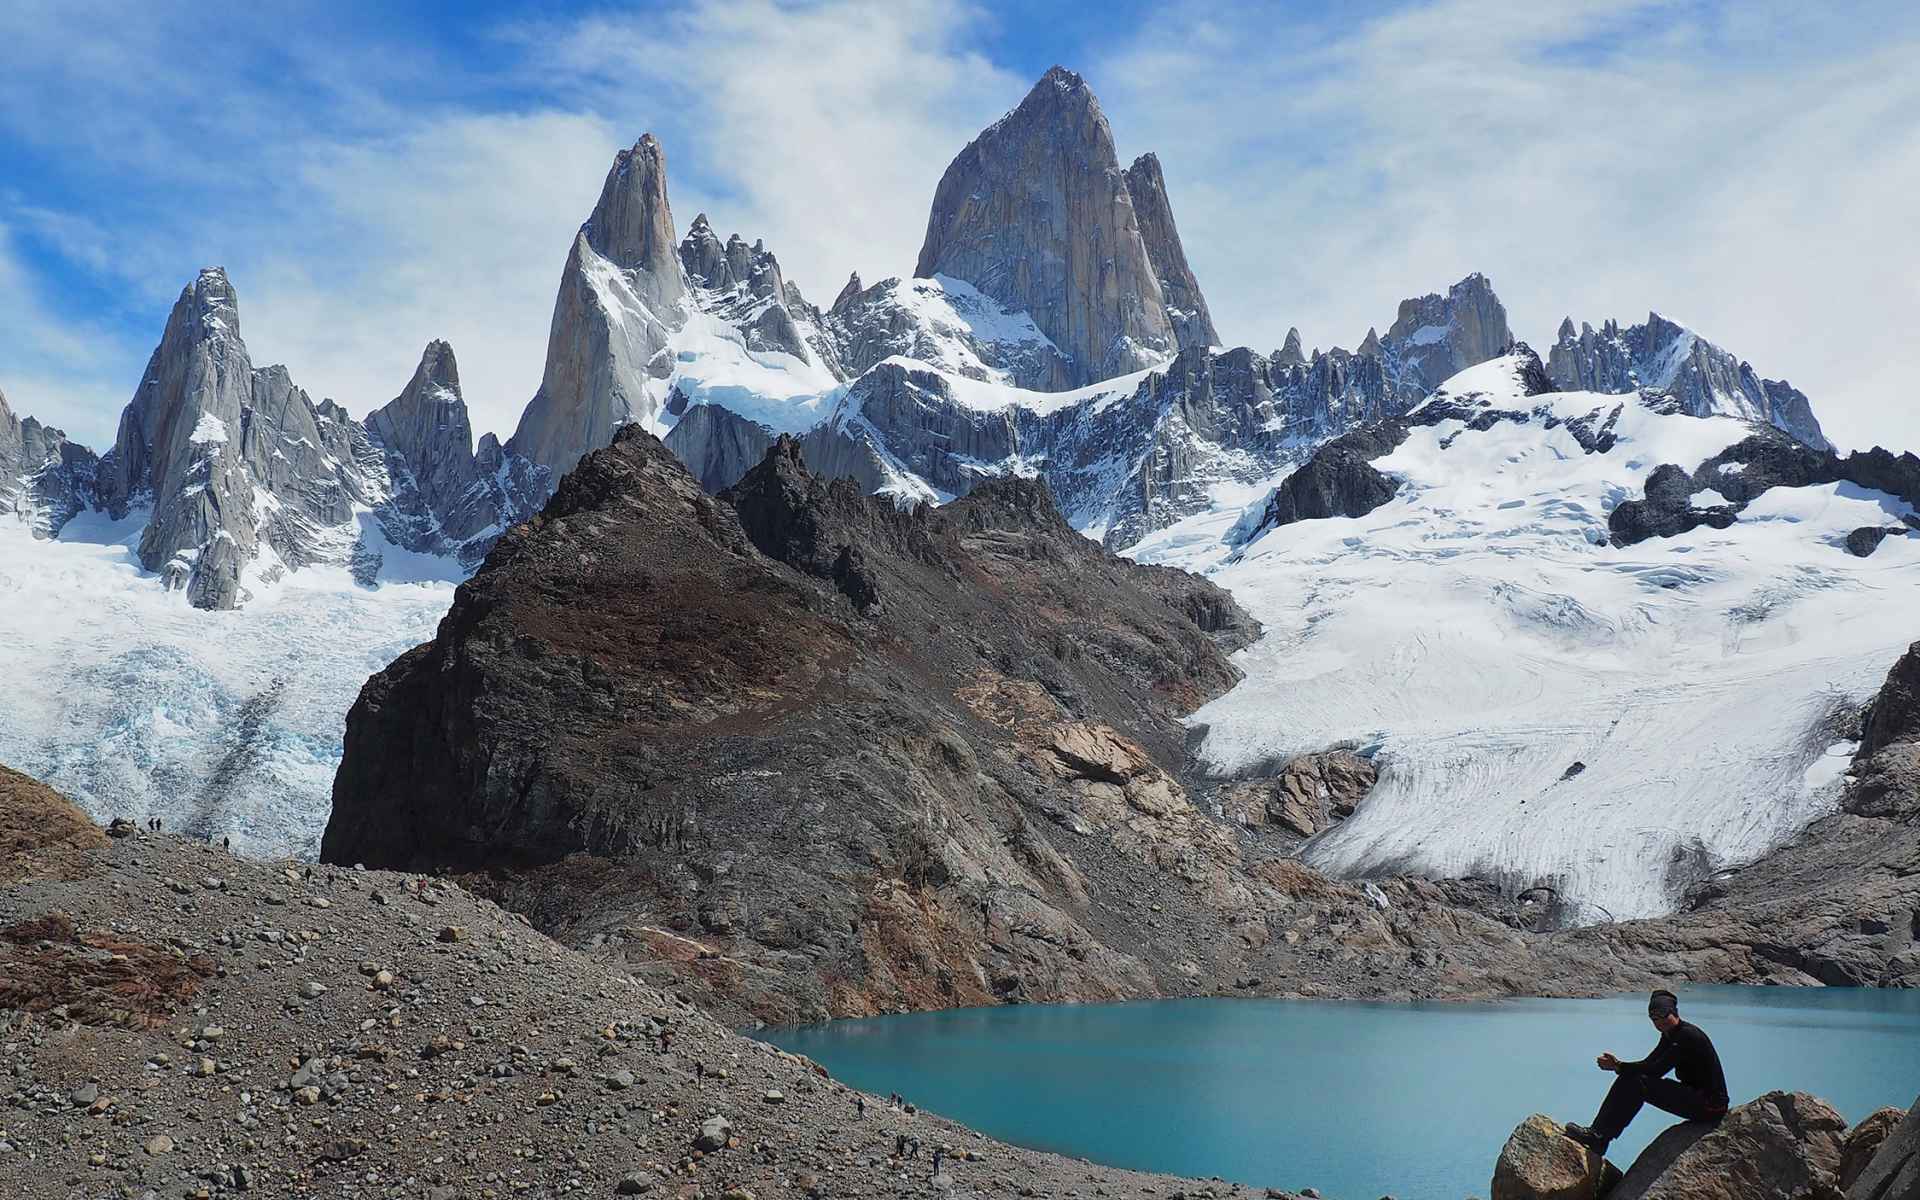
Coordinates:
[182,1023]
[1781,1146]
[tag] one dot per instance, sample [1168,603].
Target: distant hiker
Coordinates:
[899,1145]
[913,1147]
[860,1106]
[666,1040]
[699,1070]
[226,843]
[1697,1093]
[938,1154]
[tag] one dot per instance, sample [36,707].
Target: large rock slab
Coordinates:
[1782,1146]
[1864,1142]
[1894,1172]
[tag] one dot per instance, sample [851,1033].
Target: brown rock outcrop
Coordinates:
[836,744]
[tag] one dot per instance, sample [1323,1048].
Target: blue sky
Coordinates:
[374,176]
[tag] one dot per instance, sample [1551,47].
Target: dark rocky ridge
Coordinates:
[1765,460]
[740,717]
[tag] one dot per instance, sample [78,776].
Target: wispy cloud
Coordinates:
[822,128]
[1744,171]
[1745,168]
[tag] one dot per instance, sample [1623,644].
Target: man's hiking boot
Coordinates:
[1588,1138]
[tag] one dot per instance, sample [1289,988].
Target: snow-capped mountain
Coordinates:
[1667,358]
[1556,699]
[1473,564]
[44,479]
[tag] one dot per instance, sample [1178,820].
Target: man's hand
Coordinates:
[1608,1062]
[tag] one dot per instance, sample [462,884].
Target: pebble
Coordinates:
[162,1144]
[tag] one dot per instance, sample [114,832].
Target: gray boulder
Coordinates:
[1864,1142]
[1539,1162]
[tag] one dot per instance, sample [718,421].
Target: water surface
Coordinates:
[1359,1100]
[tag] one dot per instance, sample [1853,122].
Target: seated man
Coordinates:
[1698,1093]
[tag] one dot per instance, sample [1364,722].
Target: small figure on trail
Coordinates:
[860,1106]
[899,1145]
[938,1154]
[699,1070]
[913,1147]
[1698,1091]
[226,843]
[666,1039]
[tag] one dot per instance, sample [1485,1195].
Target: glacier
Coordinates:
[1546,709]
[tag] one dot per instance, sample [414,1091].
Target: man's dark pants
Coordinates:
[1629,1092]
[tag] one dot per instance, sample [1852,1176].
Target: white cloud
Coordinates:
[455,229]
[1594,159]
[820,128]
[1747,170]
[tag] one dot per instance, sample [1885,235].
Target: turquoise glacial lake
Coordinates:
[1358,1100]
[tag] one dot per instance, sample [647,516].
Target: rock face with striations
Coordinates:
[1893,1173]
[1037,214]
[840,744]
[44,479]
[1186,307]
[622,293]
[229,458]
[1669,359]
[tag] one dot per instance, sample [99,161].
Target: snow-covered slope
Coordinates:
[1550,710]
[221,723]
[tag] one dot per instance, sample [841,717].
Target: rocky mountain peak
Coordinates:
[1037,214]
[1370,345]
[1186,307]
[445,497]
[44,479]
[429,414]
[623,292]
[1289,354]
[1435,337]
[847,293]
[1665,357]
[632,225]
